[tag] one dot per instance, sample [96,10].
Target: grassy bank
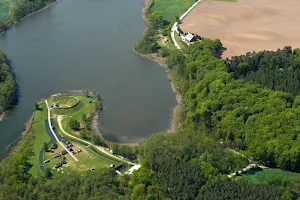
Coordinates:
[38,129]
[171,8]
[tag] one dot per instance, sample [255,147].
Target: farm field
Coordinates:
[259,176]
[171,8]
[246,26]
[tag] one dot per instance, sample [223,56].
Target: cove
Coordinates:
[77,45]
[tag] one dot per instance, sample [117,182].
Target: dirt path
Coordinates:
[54,134]
[247,25]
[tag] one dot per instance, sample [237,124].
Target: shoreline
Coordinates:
[28,126]
[174,121]
[156,58]
[96,129]
[10,24]
[2,116]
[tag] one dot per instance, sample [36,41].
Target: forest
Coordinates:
[8,86]
[261,122]
[23,8]
[277,70]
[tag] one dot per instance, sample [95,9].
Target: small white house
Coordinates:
[190,38]
[135,167]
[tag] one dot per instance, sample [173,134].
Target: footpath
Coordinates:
[175,25]
[54,134]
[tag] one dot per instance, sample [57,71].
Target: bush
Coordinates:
[74,124]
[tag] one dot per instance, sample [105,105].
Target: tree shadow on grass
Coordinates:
[253,171]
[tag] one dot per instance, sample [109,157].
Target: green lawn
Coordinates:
[169,44]
[41,136]
[87,159]
[84,107]
[259,176]
[172,8]
[181,43]
[5,10]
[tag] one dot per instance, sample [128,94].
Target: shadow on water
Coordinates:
[108,135]
[18,96]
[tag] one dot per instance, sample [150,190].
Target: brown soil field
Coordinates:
[247,25]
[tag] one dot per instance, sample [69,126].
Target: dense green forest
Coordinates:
[277,70]
[25,7]
[8,86]
[245,116]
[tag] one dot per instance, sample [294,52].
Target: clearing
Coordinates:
[259,175]
[246,25]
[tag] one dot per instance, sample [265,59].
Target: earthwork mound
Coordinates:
[65,101]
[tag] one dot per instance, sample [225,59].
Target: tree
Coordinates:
[98,97]
[2,26]
[74,124]
[36,106]
[45,147]
[48,173]
[155,20]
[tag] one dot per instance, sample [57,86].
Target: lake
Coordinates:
[77,45]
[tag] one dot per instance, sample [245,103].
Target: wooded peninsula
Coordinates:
[8,85]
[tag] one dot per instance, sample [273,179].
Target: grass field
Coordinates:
[5,10]
[259,175]
[181,43]
[84,107]
[172,8]
[87,159]
[41,136]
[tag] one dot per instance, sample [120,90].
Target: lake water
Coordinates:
[87,44]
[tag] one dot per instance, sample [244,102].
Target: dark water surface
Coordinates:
[87,44]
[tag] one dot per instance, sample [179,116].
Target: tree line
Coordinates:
[23,8]
[277,70]
[8,85]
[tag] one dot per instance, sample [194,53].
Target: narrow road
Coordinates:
[59,119]
[175,25]
[54,134]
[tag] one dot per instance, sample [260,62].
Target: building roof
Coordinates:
[135,167]
[64,152]
[63,162]
[58,165]
[189,37]
[56,155]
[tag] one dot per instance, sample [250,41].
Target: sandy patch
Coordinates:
[247,25]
